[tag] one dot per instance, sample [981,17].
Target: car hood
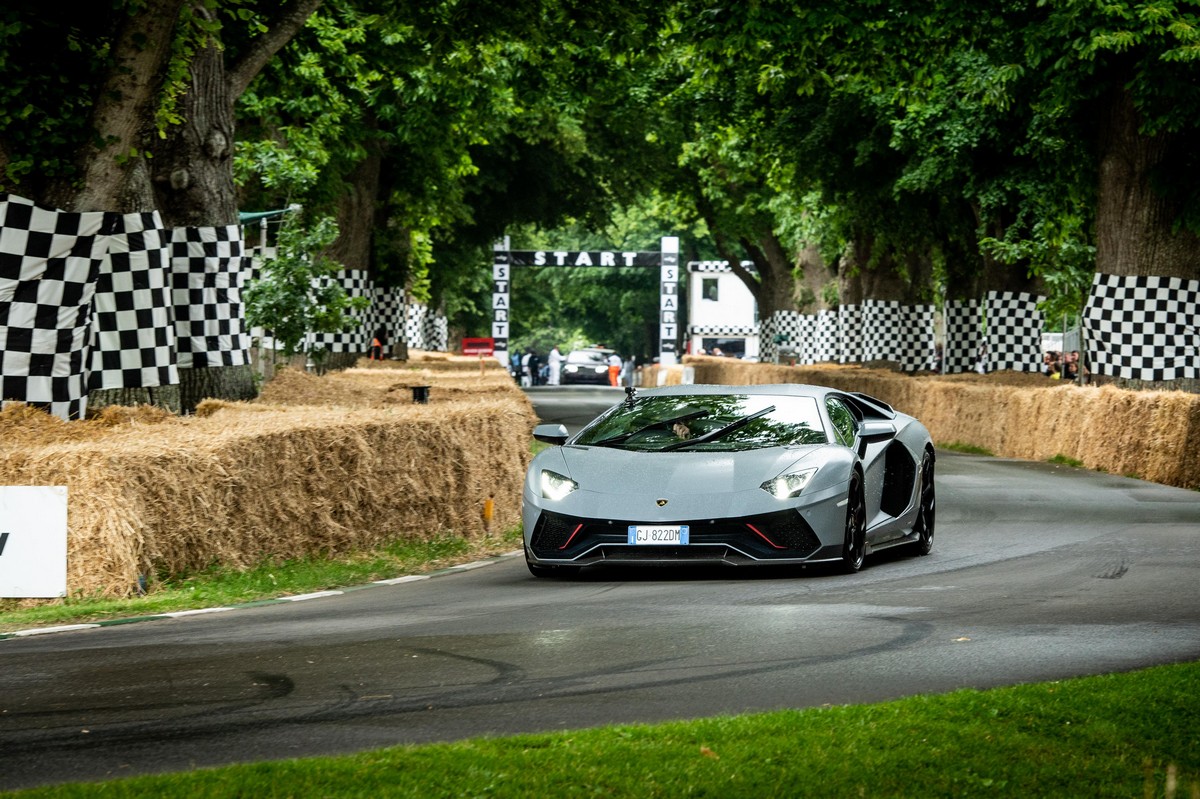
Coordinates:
[608,470]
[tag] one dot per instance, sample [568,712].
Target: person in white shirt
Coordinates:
[555,360]
[614,370]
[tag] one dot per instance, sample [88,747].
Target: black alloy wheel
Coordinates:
[854,550]
[923,526]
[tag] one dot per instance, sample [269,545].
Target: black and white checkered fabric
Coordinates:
[426,329]
[414,330]
[810,338]
[781,324]
[1014,331]
[133,329]
[208,270]
[802,343]
[964,331]
[356,338]
[902,334]
[826,334]
[1143,328]
[767,349]
[436,331]
[714,331]
[850,333]
[718,266]
[49,261]
[387,312]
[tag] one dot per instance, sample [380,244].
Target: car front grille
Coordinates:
[784,534]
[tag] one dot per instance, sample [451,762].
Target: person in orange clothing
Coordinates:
[377,344]
[614,370]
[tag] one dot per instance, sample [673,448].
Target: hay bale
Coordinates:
[333,468]
[1152,434]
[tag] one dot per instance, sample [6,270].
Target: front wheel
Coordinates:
[854,548]
[923,526]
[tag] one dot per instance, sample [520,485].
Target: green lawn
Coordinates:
[220,587]
[1127,735]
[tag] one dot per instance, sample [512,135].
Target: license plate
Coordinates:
[658,535]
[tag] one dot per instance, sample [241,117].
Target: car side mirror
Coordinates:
[874,431]
[550,433]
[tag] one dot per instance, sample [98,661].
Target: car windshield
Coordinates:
[588,357]
[707,423]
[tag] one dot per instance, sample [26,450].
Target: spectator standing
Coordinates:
[1070,365]
[526,375]
[555,360]
[614,370]
[378,344]
[535,368]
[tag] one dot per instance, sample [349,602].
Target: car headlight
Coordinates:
[788,485]
[555,486]
[572,368]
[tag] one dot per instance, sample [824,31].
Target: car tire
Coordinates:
[854,546]
[924,524]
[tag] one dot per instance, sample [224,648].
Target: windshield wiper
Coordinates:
[736,424]
[620,437]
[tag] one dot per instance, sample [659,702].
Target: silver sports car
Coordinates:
[730,474]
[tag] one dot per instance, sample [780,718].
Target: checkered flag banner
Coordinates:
[207,272]
[355,338]
[133,329]
[387,312]
[767,348]
[1143,328]
[964,325]
[850,333]
[825,337]
[902,334]
[1014,331]
[435,330]
[49,262]
[426,329]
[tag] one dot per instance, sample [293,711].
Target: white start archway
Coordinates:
[666,259]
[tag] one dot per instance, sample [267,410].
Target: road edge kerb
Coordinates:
[175,614]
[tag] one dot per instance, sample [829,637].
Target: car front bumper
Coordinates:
[808,531]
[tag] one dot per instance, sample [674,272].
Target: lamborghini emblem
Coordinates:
[660,502]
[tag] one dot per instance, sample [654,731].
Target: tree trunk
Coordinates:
[356,213]
[165,397]
[113,166]
[233,383]
[1136,231]
[193,166]
[813,281]
[1135,225]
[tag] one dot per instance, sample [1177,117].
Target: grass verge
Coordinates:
[218,587]
[966,449]
[1122,735]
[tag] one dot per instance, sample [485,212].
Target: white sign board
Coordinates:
[33,541]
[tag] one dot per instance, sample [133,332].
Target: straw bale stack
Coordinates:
[1154,435]
[330,465]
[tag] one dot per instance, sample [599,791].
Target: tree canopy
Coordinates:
[903,150]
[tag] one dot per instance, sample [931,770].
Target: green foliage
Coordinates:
[966,449]
[295,295]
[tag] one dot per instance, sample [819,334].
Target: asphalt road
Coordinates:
[1038,572]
